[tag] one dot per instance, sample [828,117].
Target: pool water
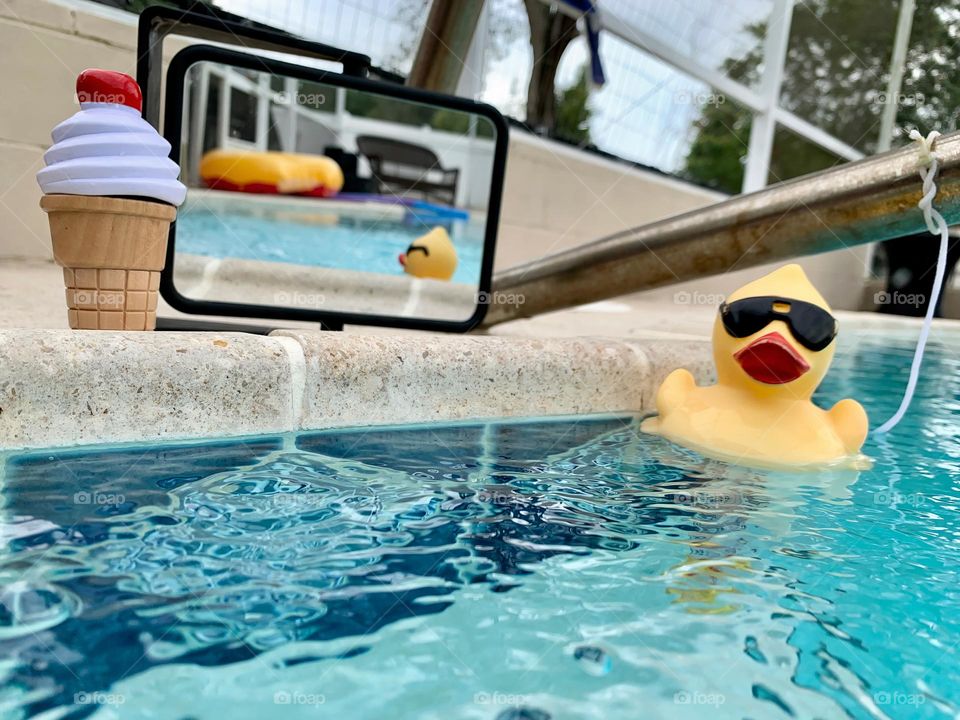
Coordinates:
[341,241]
[515,570]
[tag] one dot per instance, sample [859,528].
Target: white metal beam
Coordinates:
[765,121]
[901,42]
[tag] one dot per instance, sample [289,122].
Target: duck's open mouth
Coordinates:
[771,359]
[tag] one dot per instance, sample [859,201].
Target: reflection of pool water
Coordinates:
[574,569]
[322,238]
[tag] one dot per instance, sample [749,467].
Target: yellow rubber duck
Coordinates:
[430,256]
[773,341]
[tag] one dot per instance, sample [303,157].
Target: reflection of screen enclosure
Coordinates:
[310,195]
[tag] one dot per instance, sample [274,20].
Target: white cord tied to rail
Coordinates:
[936,225]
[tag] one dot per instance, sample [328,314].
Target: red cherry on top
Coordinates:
[109,86]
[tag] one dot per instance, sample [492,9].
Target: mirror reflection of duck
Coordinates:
[773,341]
[430,256]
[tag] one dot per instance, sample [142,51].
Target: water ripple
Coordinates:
[561,569]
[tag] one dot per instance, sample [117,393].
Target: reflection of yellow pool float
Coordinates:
[430,256]
[271,173]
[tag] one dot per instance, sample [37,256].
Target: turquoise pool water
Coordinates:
[342,241]
[543,569]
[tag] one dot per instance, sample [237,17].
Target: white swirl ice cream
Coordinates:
[107,148]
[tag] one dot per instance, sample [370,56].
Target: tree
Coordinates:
[573,111]
[550,33]
[504,27]
[835,77]
[715,157]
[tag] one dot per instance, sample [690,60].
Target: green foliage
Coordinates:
[381,107]
[316,96]
[574,112]
[794,156]
[459,122]
[716,155]
[835,77]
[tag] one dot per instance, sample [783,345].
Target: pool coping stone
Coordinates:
[71,388]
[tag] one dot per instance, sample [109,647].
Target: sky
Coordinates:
[645,111]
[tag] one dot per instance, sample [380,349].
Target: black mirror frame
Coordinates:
[172,130]
[158,21]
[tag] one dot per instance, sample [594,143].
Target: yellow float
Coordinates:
[431,256]
[271,173]
[773,341]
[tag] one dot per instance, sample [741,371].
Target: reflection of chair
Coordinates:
[401,167]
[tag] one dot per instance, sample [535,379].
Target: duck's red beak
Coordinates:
[772,360]
[403,259]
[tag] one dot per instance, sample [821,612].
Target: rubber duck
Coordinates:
[430,256]
[773,341]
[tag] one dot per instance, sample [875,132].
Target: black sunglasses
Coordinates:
[812,326]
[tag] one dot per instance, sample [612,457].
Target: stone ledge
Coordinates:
[66,388]
[61,387]
[374,380]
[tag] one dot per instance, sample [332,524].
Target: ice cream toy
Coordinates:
[110,192]
[430,256]
[773,341]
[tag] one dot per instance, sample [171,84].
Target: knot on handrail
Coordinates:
[930,163]
[927,154]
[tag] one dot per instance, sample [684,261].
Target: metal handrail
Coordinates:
[861,202]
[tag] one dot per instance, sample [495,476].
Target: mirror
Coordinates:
[313,194]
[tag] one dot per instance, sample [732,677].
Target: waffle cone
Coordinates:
[112,251]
